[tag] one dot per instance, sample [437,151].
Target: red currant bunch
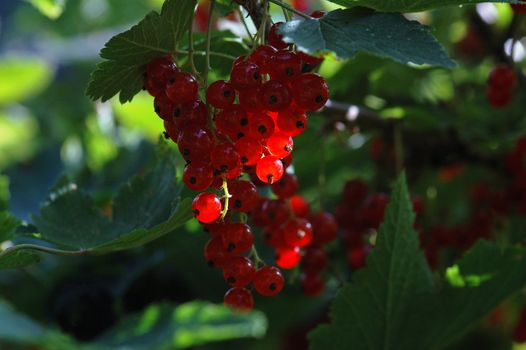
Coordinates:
[500,86]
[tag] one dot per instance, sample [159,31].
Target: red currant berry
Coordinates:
[312,284]
[261,56]
[224,157]
[309,60]
[250,150]
[286,187]
[274,238]
[182,88]
[198,176]
[238,271]
[238,238]
[288,258]
[195,143]
[275,39]
[268,281]
[291,122]
[285,65]
[215,254]
[519,9]
[244,195]
[297,232]
[324,226]
[275,96]
[163,107]
[245,75]
[269,169]
[232,121]
[274,213]
[314,260]
[357,257]
[157,73]
[354,193]
[287,161]
[206,207]
[310,91]
[261,126]
[498,97]
[280,144]
[318,14]
[300,207]
[249,100]
[502,77]
[171,130]
[220,94]
[239,299]
[191,113]
[373,209]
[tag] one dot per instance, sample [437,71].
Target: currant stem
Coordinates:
[43,249]
[242,18]
[286,13]
[227,196]
[290,8]
[203,53]
[208,37]
[257,259]
[191,47]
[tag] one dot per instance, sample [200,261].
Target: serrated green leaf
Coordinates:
[394,297]
[129,52]
[347,32]
[371,311]
[50,8]
[410,5]
[165,327]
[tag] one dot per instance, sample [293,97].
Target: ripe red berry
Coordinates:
[171,130]
[297,232]
[310,91]
[286,187]
[268,281]
[232,121]
[270,213]
[324,227]
[195,143]
[206,207]
[190,113]
[275,39]
[269,169]
[314,260]
[220,94]
[245,75]
[261,126]
[237,238]
[502,77]
[249,100]
[238,271]
[498,97]
[250,150]
[300,207]
[198,176]
[308,59]
[275,95]
[354,193]
[285,65]
[318,14]
[215,254]
[182,88]
[280,144]
[224,157]
[312,284]
[239,299]
[291,122]
[261,56]
[244,195]
[164,107]
[273,238]
[157,73]
[518,9]
[288,258]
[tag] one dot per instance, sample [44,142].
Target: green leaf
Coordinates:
[129,52]
[22,78]
[8,225]
[224,7]
[50,8]
[143,210]
[371,311]
[347,32]
[410,5]
[394,297]
[166,327]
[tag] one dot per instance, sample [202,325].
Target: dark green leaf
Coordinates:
[8,225]
[347,32]
[409,5]
[224,7]
[129,52]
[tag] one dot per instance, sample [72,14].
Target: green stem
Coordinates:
[191,47]
[257,260]
[290,8]
[208,36]
[286,13]
[227,196]
[203,53]
[242,18]
[43,249]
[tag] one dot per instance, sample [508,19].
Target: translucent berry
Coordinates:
[354,193]
[232,121]
[244,195]
[269,169]
[280,144]
[220,94]
[245,75]
[238,238]
[206,207]
[164,107]
[291,122]
[502,77]
[288,258]
[250,150]
[261,126]
[300,207]
[157,73]
[498,97]
[275,95]
[195,143]
[324,226]
[310,91]
[297,232]
[182,88]
[261,56]
[198,176]
[224,157]
[314,260]
[238,271]
[239,299]
[193,112]
[249,100]
[318,14]
[286,187]
[312,284]
[268,281]
[285,65]
[308,59]
[171,130]
[215,254]
[275,39]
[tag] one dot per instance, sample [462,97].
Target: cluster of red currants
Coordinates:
[501,82]
[246,128]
